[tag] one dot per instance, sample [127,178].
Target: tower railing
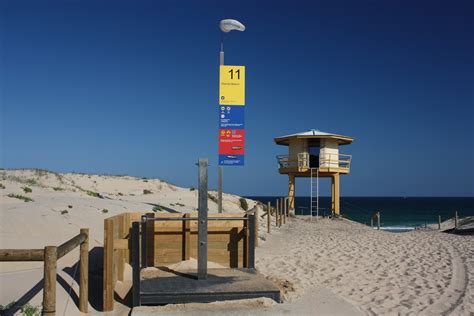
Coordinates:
[302,160]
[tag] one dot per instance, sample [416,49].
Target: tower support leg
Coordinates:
[333,195]
[291,192]
[336,195]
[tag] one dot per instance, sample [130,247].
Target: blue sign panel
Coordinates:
[231,160]
[231,116]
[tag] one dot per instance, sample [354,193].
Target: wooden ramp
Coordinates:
[170,287]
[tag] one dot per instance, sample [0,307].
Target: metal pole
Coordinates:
[202,222]
[317,194]
[135,244]
[311,196]
[220,169]
[144,242]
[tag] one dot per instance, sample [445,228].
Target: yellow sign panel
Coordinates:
[232,85]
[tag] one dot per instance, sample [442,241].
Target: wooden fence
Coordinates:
[170,242]
[50,255]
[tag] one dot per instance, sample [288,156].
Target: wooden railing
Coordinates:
[50,255]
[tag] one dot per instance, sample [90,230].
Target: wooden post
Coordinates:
[284,210]
[291,191]
[276,213]
[333,204]
[456,220]
[281,212]
[256,227]
[337,210]
[187,237]
[251,245]
[84,273]
[378,220]
[49,291]
[108,283]
[121,253]
[439,222]
[268,217]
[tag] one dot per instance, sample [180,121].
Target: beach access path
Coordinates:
[420,272]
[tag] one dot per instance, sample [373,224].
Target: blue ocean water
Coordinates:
[395,212]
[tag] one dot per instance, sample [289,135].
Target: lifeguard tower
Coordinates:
[314,154]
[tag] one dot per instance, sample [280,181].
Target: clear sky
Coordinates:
[132,88]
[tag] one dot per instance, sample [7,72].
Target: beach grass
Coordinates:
[20,197]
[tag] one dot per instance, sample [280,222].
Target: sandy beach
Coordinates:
[338,266]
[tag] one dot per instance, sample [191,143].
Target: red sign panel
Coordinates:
[231,141]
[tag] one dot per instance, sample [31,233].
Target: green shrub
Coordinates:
[30,310]
[120,194]
[212,197]
[147,192]
[95,194]
[2,186]
[64,212]
[7,307]
[20,197]
[27,190]
[58,189]
[192,189]
[105,210]
[180,204]
[70,206]
[157,208]
[31,182]
[243,204]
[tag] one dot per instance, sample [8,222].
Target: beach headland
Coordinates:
[328,266]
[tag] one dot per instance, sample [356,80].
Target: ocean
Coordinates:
[396,213]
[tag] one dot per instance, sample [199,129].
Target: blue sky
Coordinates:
[131,87]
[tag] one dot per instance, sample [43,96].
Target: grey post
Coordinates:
[144,240]
[220,169]
[219,189]
[439,222]
[456,220]
[202,220]
[135,243]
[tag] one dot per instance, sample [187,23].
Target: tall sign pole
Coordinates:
[220,169]
[231,110]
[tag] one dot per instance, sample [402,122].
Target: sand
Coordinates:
[329,267]
[419,272]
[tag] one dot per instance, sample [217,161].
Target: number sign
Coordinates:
[232,85]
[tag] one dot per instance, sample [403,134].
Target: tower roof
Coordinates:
[315,134]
